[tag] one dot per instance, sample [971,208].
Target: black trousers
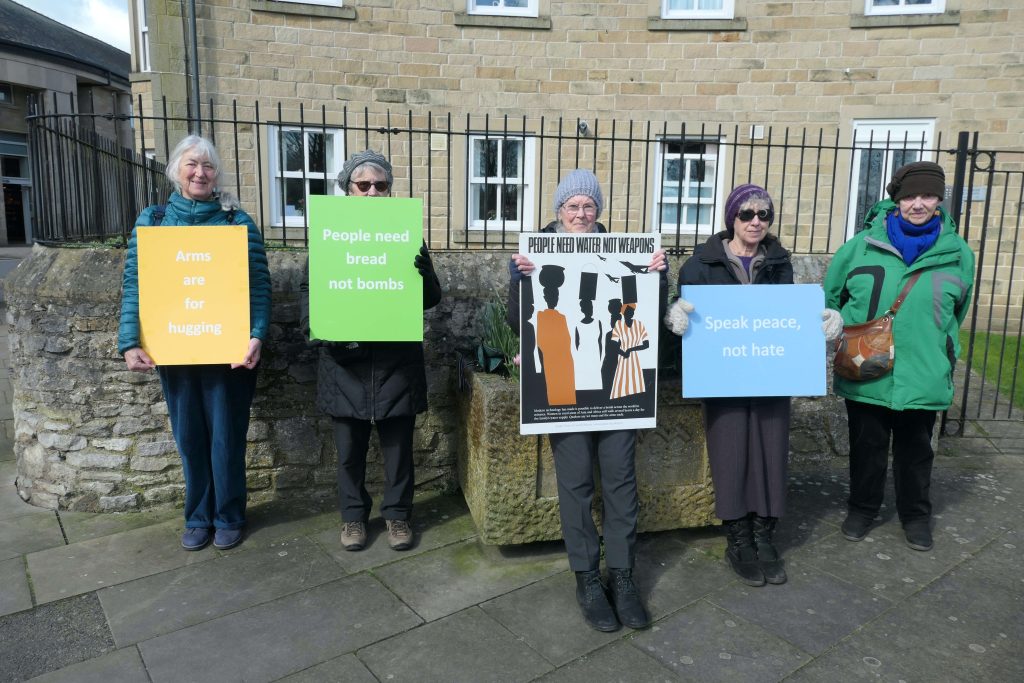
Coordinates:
[352,439]
[871,428]
[574,455]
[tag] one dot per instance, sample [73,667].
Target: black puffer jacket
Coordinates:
[372,380]
[709,264]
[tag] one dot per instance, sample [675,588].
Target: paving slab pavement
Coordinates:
[114,598]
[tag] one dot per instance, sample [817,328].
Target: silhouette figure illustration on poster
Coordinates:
[528,360]
[554,342]
[589,335]
[610,359]
[632,338]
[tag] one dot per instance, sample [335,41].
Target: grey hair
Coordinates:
[208,151]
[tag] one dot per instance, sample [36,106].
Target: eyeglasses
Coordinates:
[576,208]
[379,185]
[747,215]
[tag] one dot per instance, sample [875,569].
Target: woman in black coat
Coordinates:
[747,438]
[360,384]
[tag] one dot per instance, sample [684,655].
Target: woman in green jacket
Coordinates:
[208,404]
[905,235]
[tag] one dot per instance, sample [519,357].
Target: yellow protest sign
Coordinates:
[194,293]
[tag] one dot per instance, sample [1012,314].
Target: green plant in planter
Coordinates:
[499,346]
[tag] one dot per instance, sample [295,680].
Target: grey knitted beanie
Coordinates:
[357,160]
[580,181]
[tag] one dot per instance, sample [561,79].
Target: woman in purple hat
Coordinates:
[747,438]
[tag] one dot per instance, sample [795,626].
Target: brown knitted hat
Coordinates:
[920,177]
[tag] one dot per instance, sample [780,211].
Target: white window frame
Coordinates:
[727,11]
[526,181]
[329,3]
[278,175]
[895,138]
[716,182]
[498,8]
[933,7]
[142,35]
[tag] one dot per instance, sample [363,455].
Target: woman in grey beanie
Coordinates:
[578,203]
[383,383]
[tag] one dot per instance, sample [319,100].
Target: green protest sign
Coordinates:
[363,284]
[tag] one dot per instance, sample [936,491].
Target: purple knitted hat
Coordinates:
[740,196]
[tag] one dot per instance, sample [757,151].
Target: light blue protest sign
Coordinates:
[754,340]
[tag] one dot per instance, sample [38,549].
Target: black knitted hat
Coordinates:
[920,177]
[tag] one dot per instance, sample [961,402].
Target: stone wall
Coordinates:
[90,435]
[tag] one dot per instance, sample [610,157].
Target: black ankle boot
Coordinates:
[597,611]
[741,553]
[626,599]
[767,556]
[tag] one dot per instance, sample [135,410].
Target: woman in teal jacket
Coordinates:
[904,235]
[208,404]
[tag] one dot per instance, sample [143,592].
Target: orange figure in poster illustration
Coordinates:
[554,342]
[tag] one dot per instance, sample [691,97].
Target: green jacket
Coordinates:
[864,279]
[182,211]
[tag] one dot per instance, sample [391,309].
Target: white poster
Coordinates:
[588,333]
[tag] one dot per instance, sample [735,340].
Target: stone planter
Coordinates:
[509,480]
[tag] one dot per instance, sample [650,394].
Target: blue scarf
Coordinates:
[912,240]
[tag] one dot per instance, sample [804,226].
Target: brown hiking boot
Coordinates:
[353,535]
[399,534]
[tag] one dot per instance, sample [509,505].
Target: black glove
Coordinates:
[423,262]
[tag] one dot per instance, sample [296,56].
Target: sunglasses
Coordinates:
[379,185]
[747,215]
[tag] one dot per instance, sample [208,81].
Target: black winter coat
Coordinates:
[709,264]
[372,380]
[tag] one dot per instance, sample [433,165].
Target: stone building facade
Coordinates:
[818,100]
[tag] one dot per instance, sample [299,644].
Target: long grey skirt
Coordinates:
[748,446]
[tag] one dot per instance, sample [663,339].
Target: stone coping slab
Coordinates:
[727,648]
[284,636]
[166,602]
[109,560]
[123,666]
[15,594]
[467,646]
[466,573]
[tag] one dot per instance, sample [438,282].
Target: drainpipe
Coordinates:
[196,123]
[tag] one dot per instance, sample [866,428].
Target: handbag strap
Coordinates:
[904,292]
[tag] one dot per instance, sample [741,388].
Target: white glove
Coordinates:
[832,325]
[677,318]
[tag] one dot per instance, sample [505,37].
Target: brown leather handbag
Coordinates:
[866,350]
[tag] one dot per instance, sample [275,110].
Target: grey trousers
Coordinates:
[748,446]
[574,468]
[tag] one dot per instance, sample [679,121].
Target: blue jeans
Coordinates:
[209,411]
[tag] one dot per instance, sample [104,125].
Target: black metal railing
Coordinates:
[483,179]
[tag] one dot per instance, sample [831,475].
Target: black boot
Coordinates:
[767,556]
[741,553]
[626,599]
[597,612]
